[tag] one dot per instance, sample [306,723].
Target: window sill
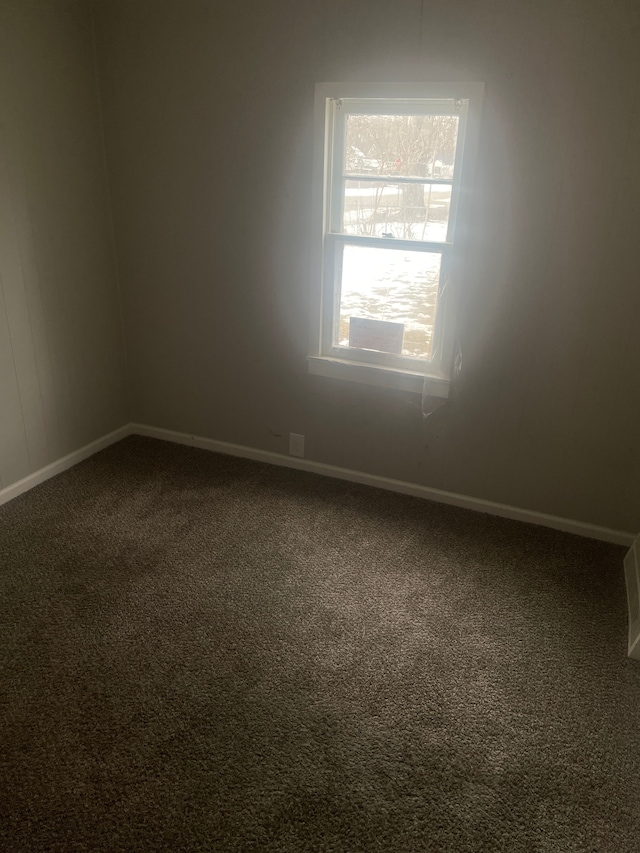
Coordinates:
[385,377]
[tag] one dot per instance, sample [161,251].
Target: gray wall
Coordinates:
[208,115]
[62,377]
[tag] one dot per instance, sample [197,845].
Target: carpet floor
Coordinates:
[203,653]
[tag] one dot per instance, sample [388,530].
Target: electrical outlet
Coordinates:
[296,444]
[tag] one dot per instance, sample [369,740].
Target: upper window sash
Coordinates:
[338,108]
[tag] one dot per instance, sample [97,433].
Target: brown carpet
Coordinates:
[202,653]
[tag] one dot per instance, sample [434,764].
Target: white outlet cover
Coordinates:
[296,444]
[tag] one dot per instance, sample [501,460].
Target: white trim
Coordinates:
[372,374]
[580,528]
[327,215]
[632,581]
[401,91]
[60,465]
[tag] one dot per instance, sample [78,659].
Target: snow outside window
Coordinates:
[392,180]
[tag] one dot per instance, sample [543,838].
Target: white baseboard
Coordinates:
[60,465]
[632,580]
[580,528]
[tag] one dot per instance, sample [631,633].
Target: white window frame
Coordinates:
[368,366]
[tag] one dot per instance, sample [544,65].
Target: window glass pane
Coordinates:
[410,146]
[396,291]
[406,211]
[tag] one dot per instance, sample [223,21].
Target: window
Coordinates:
[392,181]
